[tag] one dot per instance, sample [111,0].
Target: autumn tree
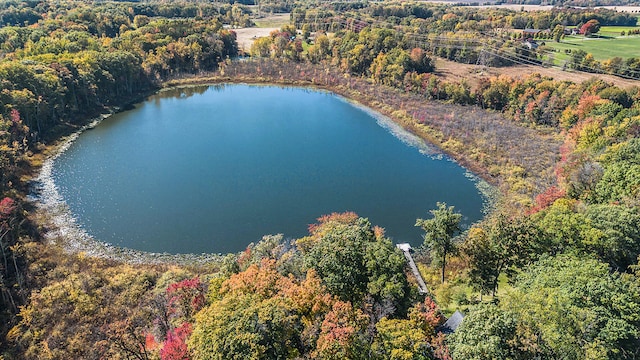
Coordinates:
[247,320]
[101,312]
[185,298]
[411,338]
[439,233]
[354,262]
[590,27]
[245,326]
[9,270]
[343,334]
[400,339]
[558,32]
[175,347]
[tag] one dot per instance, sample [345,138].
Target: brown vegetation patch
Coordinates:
[471,73]
[246,36]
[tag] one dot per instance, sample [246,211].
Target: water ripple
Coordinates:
[64,230]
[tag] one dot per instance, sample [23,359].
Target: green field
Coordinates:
[601,48]
[273,21]
[613,31]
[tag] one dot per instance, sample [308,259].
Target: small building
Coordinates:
[530,32]
[451,324]
[570,31]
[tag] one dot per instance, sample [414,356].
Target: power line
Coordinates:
[593,69]
[450,42]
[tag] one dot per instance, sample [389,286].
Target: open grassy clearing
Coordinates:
[246,36]
[272,21]
[614,31]
[264,26]
[601,48]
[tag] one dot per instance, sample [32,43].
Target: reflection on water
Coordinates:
[211,169]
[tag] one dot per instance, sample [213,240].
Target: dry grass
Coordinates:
[274,20]
[246,36]
[264,26]
[452,71]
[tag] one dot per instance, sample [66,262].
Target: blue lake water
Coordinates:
[213,168]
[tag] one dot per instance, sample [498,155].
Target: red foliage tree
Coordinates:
[547,198]
[150,342]
[7,206]
[15,116]
[186,297]
[175,347]
[590,27]
[440,348]
[342,332]
[428,314]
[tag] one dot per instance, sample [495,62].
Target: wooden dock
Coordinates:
[406,249]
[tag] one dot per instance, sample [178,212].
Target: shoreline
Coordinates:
[61,228]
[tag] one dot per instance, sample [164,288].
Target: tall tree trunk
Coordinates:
[444,264]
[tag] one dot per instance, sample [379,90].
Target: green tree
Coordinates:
[573,307]
[558,31]
[338,258]
[577,58]
[439,233]
[400,339]
[617,240]
[487,332]
[564,228]
[355,260]
[503,246]
[621,178]
[387,282]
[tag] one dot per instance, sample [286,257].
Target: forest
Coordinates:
[551,272]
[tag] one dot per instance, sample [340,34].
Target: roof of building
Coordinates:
[452,323]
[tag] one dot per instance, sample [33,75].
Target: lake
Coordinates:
[214,168]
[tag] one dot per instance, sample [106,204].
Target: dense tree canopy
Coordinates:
[560,257]
[566,306]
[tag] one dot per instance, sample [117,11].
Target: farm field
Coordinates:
[614,31]
[272,21]
[601,49]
